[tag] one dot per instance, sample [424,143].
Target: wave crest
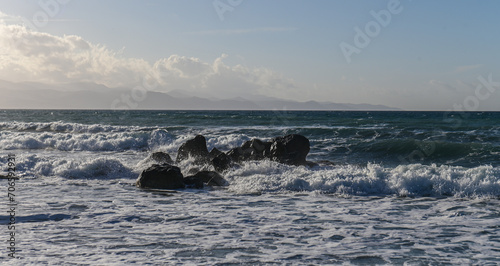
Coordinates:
[370,180]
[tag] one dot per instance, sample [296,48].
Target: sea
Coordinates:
[389,188]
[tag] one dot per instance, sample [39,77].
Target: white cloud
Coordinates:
[27,55]
[36,56]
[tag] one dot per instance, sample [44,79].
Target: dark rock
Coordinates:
[163,176]
[311,164]
[254,149]
[290,149]
[236,154]
[214,153]
[260,148]
[247,154]
[161,157]
[222,162]
[196,148]
[193,170]
[326,162]
[259,145]
[193,182]
[267,148]
[246,145]
[210,178]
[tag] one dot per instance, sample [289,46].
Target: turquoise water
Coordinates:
[390,188]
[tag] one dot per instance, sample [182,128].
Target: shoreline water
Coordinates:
[78,202]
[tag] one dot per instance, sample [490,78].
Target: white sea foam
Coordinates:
[373,179]
[110,222]
[160,137]
[78,202]
[267,176]
[60,126]
[226,142]
[86,166]
[75,142]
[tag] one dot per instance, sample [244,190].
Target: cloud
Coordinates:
[27,55]
[36,56]
[193,75]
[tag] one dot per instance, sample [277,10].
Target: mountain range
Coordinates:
[32,95]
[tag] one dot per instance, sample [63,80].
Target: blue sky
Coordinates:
[431,55]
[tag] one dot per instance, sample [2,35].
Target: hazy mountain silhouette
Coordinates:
[31,95]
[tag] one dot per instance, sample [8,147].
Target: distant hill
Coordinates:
[31,95]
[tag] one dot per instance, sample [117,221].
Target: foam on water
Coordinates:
[60,126]
[89,166]
[111,222]
[78,202]
[112,139]
[75,142]
[414,180]
[370,180]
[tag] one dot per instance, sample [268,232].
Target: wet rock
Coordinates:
[209,178]
[255,149]
[221,162]
[326,162]
[196,148]
[290,149]
[214,153]
[235,154]
[193,182]
[192,171]
[259,145]
[161,157]
[162,176]
[311,164]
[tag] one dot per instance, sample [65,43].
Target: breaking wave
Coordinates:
[369,180]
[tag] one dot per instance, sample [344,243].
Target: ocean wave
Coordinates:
[74,168]
[64,127]
[373,179]
[408,150]
[75,142]
[413,180]
[432,148]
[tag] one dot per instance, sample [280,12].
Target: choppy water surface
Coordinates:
[112,222]
[391,188]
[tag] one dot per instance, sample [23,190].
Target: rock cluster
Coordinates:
[290,149]
[166,176]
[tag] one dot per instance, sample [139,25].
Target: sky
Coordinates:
[413,55]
